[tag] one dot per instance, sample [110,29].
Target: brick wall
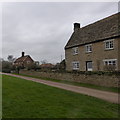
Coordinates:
[101,80]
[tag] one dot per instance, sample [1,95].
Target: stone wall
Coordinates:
[101,80]
[98,54]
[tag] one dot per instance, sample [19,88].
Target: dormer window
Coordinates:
[88,48]
[109,44]
[75,50]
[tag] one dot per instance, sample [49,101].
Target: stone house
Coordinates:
[95,47]
[24,61]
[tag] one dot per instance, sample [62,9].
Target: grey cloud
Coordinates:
[43,29]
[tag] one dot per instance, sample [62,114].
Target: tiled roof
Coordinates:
[21,59]
[47,65]
[103,29]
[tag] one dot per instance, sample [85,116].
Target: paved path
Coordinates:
[108,96]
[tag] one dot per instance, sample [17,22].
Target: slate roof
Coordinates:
[100,30]
[22,59]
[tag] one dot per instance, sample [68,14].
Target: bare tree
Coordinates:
[44,61]
[10,58]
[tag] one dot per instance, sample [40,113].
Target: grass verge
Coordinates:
[28,99]
[0,96]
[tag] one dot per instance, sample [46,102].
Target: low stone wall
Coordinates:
[101,80]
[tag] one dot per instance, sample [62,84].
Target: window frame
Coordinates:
[88,48]
[108,47]
[75,67]
[110,62]
[75,51]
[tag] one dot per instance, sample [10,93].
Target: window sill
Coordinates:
[109,49]
[75,54]
[88,52]
[76,69]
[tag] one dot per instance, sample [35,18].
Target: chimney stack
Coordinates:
[76,26]
[23,53]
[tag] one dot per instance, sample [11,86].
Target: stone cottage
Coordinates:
[95,47]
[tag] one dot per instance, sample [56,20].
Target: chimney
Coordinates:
[23,53]
[76,26]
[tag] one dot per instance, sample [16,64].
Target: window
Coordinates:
[75,51]
[109,44]
[75,65]
[28,62]
[110,62]
[88,48]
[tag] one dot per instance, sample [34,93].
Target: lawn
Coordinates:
[110,89]
[28,99]
[0,96]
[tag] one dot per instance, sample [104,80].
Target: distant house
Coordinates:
[47,66]
[95,47]
[24,61]
[60,66]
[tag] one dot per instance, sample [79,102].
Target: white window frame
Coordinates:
[109,44]
[75,50]
[88,48]
[110,62]
[76,65]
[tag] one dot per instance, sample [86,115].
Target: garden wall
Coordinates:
[101,80]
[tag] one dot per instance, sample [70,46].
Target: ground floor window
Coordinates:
[110,64]
[75,65]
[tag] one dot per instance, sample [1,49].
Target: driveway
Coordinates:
[108,96]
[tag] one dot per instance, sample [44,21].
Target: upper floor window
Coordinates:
[75,65]
[75,50]
[109,44]
[28,62]
[88,48]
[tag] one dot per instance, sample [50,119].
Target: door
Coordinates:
[89,66]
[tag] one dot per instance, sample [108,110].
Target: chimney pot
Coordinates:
[76,26]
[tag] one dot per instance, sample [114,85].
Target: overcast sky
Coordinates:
[42,30]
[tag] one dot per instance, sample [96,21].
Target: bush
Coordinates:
[6,70]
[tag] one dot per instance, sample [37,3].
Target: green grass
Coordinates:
[110,89]
[28,99]
[0,96]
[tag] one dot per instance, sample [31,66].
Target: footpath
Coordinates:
[108,96]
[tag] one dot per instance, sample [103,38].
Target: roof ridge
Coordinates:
[101,20]
[103,29]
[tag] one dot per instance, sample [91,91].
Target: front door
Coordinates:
[89,66]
